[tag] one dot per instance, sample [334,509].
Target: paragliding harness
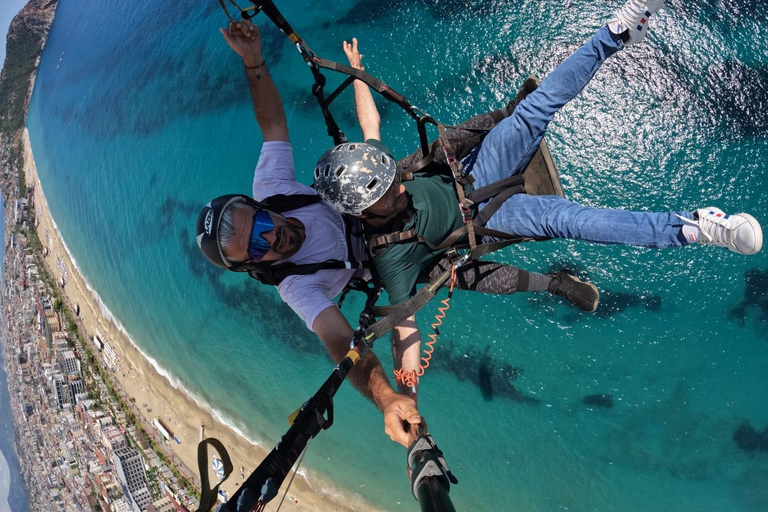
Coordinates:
[315,415]
[273,274]
[445,157]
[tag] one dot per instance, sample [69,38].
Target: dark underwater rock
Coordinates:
[599,400]
[750,440]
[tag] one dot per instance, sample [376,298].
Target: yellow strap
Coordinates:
[354,356]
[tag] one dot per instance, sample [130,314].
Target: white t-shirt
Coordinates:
[307,295]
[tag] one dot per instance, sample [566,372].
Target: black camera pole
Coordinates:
[430,477]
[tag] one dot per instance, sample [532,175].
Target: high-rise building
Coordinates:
[130,472]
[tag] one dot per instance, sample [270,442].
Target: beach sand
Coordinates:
[153,394]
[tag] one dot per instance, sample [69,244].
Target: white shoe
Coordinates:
[740,232]
[634,17]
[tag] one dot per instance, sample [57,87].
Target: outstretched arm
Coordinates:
[367,114]
[401,418]
[406,352]
[244,39]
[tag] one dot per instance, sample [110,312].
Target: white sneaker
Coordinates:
[634,17]
[740,232]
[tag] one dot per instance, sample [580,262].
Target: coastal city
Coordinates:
[96,423]
[81,448]
[82,443]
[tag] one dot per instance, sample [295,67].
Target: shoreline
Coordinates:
[152,392]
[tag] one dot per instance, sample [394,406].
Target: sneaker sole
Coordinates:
[597,293]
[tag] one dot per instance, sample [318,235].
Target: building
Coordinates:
[70,364]
[164,430]
[113,438]
[130,472]
[164,504]
[64,397]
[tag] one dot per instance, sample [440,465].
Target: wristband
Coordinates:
[257,68]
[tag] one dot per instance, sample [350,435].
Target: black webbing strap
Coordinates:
[208,496]
[281,203]
[496,201]
[491,190]
[274,274]
[370,80]
[262,485]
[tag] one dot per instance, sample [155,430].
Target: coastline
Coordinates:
[146,387]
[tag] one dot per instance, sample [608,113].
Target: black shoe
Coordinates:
[582,295]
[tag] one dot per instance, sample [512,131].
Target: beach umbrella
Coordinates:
[218,468]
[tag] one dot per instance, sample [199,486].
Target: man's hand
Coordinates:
[401,419]
[243,37]
[367,115]
[355,59]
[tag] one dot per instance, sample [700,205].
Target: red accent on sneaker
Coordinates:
[643,20]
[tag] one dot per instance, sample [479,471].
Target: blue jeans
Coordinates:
[512,143]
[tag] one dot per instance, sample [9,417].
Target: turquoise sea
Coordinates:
[140,114]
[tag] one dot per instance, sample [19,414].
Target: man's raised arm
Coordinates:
[367,113]
[244,39]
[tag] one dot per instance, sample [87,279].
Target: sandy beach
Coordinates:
[152,394]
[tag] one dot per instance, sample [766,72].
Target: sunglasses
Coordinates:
[259,246]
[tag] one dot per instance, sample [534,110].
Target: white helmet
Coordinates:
[353,176]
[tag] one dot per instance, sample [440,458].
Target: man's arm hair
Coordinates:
[244,39]
[367,375]
[267,104]
[401,418]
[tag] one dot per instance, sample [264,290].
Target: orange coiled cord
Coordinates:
[408,378]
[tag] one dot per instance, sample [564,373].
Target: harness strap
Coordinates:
[274,274]
[492,207]
[465,205]
[281,203]
[397,237]
[482,194]
[399,313]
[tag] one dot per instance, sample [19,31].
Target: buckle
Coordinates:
[466,213]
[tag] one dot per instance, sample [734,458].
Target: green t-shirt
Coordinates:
[433,197]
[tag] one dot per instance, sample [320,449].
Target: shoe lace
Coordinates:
[713,230]
[717,230]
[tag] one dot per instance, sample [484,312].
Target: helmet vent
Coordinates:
[373,183]
[317,172]
[340,170]
[384,159]
[351,147]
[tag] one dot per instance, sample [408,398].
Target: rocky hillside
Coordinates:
[26,39]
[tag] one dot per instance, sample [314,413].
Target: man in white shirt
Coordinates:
[254,235]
